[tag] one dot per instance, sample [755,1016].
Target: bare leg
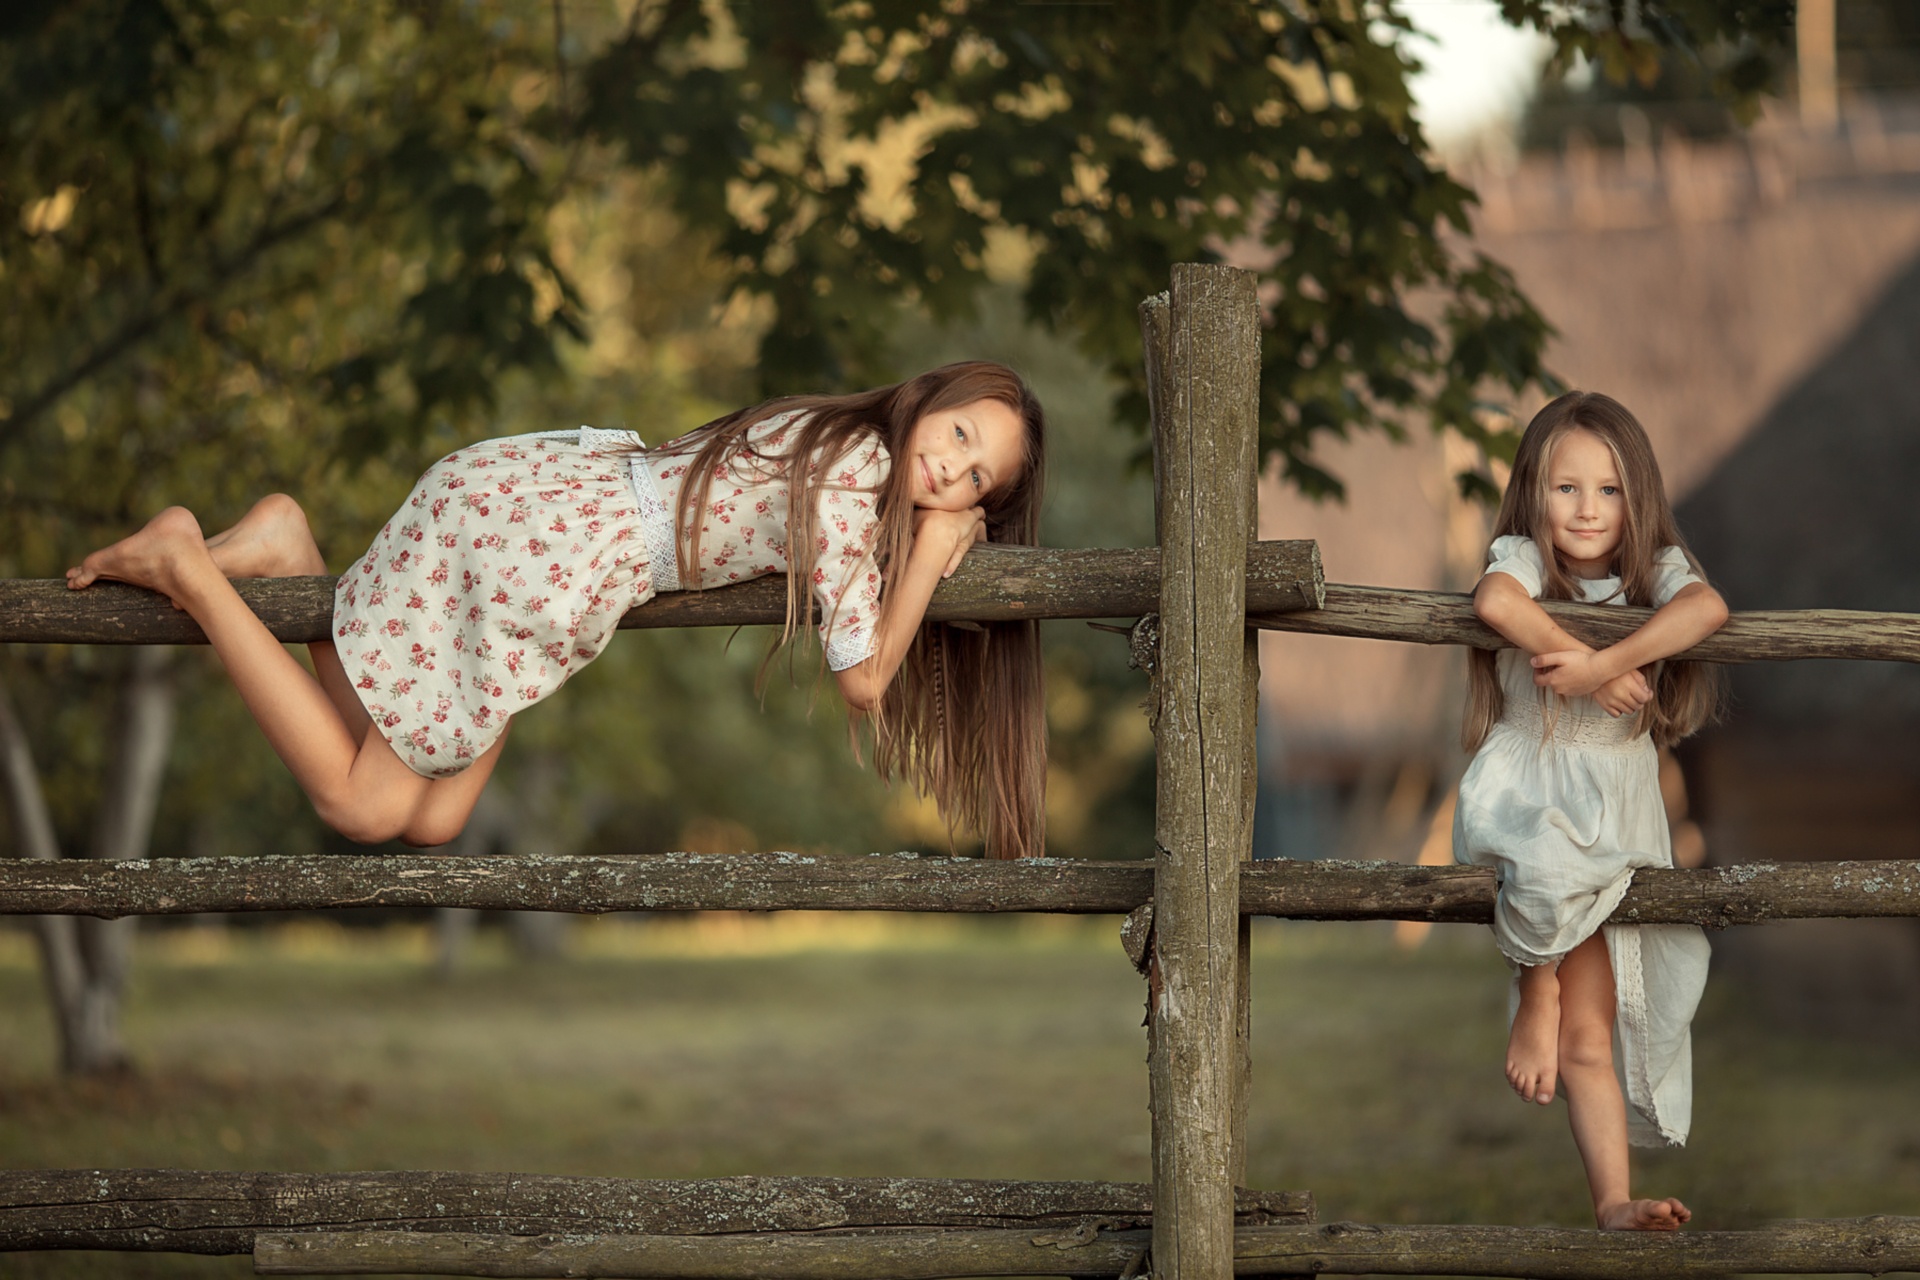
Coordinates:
[274,540]
[1533,1049]
[357,784]
[1594,1106]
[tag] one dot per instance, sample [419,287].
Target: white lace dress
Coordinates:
[510,564]
[1565,817]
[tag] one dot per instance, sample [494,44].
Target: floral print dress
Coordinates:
[511,563]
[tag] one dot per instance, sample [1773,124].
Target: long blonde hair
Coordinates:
[1686,695]
[964,718]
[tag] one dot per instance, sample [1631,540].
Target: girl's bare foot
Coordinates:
[1642,1215]
[271,541]
[1533,1046]
[151,558]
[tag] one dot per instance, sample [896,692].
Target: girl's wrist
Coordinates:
[1607,665]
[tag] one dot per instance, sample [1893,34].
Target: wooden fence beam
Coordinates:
[1834,1246]
[1815,1247]
[189,1211]
[917,1255]
[993,584]
[1285,592]
[1443,617]
[585,885]
[1711,896]
[1205,442]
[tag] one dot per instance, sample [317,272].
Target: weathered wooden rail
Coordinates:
[993,584]
[190,1211]
[1212,587]
[505,1224]
[1709,896]
[1755,635]
[1871,1245]
[1285,592]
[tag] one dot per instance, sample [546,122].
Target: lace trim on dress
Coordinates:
[849,650]
[1591,731]
[1630,994]
[656,523]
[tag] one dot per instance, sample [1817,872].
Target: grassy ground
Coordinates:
[899,1046]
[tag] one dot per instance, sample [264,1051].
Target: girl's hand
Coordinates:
[1623,695]
[1575,673]
[954,532]
[1571,673]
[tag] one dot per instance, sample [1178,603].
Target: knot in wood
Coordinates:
[1143,644]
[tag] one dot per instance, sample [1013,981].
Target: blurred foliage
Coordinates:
[857,153]
[1600,111]
[248,248]
[1738,47]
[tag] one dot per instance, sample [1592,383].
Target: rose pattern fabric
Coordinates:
[510,564]
[743,528]
[505,572]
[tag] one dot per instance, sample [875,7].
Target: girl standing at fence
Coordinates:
[512,560]
[1562,797]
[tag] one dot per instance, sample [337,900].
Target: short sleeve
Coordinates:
[1516,556]
[846,571]
[1671,572]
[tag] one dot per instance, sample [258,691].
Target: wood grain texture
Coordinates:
[1711,896]
[189,1211]
[992,584]
[1820,1247]
[1442,617]
[1873,1245]
[1205,441]
[918,1255]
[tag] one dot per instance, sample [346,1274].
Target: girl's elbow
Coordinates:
[858,689]
[1717,611]
[1489,605]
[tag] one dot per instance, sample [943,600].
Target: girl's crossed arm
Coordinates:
[941,540]
[1572,668]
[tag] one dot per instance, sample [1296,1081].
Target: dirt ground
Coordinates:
[877,1045]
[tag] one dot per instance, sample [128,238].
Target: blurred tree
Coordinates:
[1678,99]
[1706,82]
[241,250]
[1735,49]
[860,152]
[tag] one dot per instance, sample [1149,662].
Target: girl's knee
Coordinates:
[282,505]
[1586,1046]
[428,832]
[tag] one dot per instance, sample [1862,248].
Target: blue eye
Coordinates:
[958,432]
[1609,489]
[976,479]
[1566,488]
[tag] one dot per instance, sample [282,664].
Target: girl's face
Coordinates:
[960,455]
[1586,503]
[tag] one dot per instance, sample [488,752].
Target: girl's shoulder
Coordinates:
[1672,571]
[859,461]
[1518,556]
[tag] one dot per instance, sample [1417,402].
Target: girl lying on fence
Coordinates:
[512,560]
[1562,797]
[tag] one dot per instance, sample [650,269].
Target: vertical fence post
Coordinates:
[1205,410]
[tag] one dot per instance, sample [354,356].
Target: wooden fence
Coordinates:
[1210,584]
